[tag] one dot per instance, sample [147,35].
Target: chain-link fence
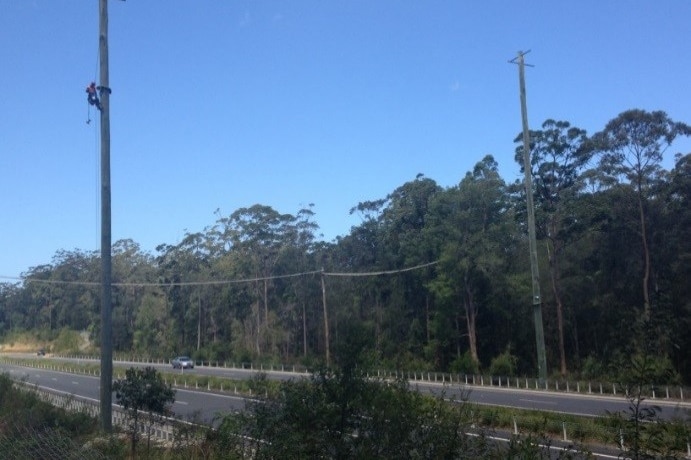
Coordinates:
[27,443]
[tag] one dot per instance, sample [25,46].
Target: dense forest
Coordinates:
[440,277]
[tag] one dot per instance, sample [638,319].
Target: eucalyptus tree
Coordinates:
[359,251]
[403,218]
[38,297]
[559,153]
[170,275]
[152,326]
[10,306]
[390,237]
[180,266]
[404,244]
[194,257]
[674,242]
[472,216]
[631,149]
[6,293]
[259,239]
[132,268]
[58,295]
[74,300]
[233,309]
[604,272]
[300,297]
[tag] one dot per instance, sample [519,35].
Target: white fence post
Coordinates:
[621,439]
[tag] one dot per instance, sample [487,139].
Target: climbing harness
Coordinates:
[92,96]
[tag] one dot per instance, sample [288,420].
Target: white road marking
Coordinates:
[538,402]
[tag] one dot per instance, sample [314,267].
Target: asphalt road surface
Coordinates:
[189,404]
[208,405]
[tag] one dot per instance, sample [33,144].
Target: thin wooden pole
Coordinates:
[534,269]
[326,321]
[106,267]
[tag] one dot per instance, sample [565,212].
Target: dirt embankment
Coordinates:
[20,347]
[26,343]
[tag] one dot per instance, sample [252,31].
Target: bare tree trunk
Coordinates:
[326,321]
[646,258]
[576,345]
[269,336]
[458,342]
[470,315]
[213,319]
[304,329]
[472,337]
[257,327]
[427,325]
[258,317]
[554,273]
[377,322]
[199,322]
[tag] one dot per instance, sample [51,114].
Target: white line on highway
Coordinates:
[75,382]
[214,395]
[181,402]
[538,402]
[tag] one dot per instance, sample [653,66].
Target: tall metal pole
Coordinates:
[535,273]
[106,302]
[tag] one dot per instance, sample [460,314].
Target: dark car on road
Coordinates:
[182,362]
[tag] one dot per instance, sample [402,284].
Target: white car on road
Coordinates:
[182,362]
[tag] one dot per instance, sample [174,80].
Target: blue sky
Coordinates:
[221,104]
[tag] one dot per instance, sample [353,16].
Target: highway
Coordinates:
[189,404]
[566,403]
[208,405]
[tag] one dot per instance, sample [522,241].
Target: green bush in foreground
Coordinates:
[146,398]
[32,428]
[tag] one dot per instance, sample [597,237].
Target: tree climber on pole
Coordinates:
[92,95]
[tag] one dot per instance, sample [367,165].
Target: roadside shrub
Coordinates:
[200,356]
[67,341]
[504,365]
[146,398]
[592,368]
[465,364]
[216,352]
[26,409]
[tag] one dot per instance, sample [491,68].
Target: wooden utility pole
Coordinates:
[326,321]
[535,273]
[106,267]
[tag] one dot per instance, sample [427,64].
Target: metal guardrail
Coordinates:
[583,387]
[166,432]
[651,391]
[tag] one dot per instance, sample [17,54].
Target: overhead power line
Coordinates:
[223,282]
[386,272]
